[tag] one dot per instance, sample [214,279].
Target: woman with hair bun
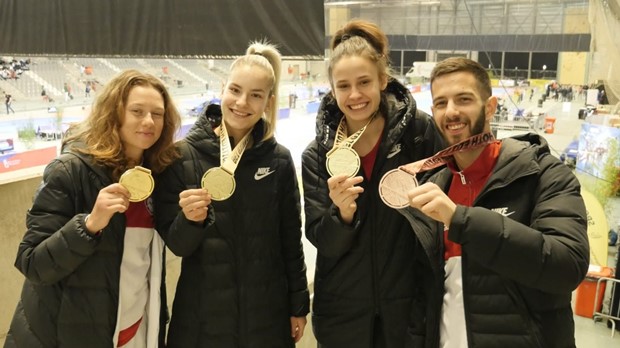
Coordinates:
[365,283]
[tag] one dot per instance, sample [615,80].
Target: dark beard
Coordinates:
[478,127]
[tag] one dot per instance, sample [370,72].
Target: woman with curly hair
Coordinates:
[92,259]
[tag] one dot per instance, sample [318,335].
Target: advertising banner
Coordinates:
[20,160]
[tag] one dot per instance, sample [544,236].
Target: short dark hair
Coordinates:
[458,64]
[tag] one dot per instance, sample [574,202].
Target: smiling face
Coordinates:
[143,121]
[357,87]
[458,107]
[246,96]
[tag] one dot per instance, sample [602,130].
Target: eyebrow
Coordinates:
[252,90]
[461,94]
[137,104]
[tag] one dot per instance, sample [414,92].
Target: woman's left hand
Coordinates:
[298,324]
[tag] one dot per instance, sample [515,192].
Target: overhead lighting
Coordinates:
[382,4]
[347,3]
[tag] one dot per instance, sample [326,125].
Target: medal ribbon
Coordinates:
[442,156]
[230,159]
[341,133]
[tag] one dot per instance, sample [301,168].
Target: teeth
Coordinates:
[239,113]
[358,106]
[456,126]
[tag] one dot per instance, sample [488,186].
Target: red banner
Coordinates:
[20,160]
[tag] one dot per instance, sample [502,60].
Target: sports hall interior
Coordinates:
[528,47]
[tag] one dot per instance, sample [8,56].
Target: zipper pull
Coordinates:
[463,181]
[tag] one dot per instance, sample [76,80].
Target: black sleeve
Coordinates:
[182,236]
[324,228]
[56,242]
[551,253]
[292,248]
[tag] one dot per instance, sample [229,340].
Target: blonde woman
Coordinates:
[231,208]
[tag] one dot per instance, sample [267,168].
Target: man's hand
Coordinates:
[433,202]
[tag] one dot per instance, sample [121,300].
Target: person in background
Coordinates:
[613,235]
[44,95]
[231,208]
[8,101]
[364,282]
[92,260]
[508,222]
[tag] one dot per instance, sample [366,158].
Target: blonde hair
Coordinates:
[265,55]
[100,130]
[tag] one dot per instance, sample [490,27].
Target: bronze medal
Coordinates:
[393,188]
[219,183]
[343,160]
[139,182]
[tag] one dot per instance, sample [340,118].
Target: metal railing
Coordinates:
[611,316]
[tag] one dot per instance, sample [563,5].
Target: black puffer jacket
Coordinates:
[243,275]
[519,265]
[70,294]
[365,271]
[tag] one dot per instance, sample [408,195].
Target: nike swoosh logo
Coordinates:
[393,153]
[508,214]
[258,176]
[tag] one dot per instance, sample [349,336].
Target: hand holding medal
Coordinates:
[395,184]
[194,204]
[343,191]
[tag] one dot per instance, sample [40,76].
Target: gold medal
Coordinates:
[139,182]
[393,188]
[343,160]
[220,184]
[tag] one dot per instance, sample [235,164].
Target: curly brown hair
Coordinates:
[100,130]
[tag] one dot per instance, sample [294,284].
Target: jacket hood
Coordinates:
[397,105]
[524,147]
[73,148]
[203,137]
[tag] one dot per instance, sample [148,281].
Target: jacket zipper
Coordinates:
[484,190]
[463,181]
